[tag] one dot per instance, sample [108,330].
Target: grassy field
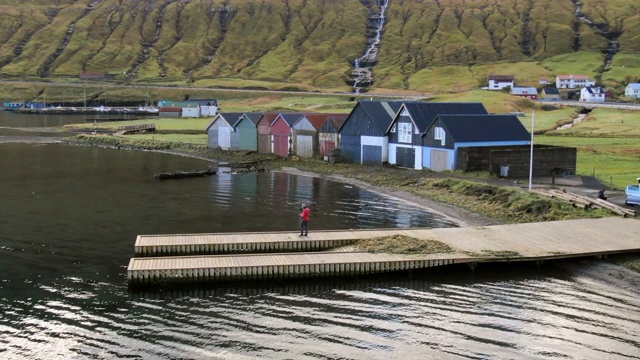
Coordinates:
[608,123]
[614,161]
[162,124]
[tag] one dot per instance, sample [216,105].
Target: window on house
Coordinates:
[439,134]
[404,132]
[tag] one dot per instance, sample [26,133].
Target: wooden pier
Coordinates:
[276,255]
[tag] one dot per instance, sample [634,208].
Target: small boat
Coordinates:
[633,195]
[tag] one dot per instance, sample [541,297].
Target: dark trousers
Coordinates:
[303,227]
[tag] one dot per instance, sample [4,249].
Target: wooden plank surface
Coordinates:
[534,240]
[292,259]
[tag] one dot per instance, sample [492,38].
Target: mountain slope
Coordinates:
[308,43]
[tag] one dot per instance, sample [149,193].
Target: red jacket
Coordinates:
[305,214]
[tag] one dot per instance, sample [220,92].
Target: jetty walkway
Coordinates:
[274,255]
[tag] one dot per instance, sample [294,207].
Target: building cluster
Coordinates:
[416,135]
[193,108]
[589,92]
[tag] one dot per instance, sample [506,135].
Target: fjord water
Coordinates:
[68,221]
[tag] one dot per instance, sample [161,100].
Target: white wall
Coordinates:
[417,149]
[376,141]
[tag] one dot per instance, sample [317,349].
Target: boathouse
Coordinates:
[449,133]
[305,134]
[245,132]
[363,138]
[281,131]
[208,107]
[220,129]
[264,133]
[329,133]
[406,148]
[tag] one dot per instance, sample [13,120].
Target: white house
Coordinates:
[632,90]
[499,82]
[573,81]
[592,94]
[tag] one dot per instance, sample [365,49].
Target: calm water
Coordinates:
[68,221]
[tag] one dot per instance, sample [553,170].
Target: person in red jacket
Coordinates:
[304,220]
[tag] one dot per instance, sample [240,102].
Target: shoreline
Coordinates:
[461,217]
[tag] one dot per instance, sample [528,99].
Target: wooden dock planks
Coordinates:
[533,241]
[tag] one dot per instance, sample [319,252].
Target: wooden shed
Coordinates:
[264,133]
[281,133]
[514,161]
[169,112]
[306,134]
[220,129]
[245,132]
[329,133]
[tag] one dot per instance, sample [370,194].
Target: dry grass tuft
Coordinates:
[402,244]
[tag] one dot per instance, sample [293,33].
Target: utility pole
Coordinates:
[533,117]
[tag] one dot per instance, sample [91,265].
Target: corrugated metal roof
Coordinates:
[338,120]
[318,119]
[423,114]
[480,128]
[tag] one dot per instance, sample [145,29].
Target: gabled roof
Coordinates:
[496,77]
[423,114]
[269,117]
[254,117]
[480,128]
[230,118]
[574,77]
[634,86]
[551,91]
[337,120]
[289,118]
[318,119]
[381,113]
[593,89]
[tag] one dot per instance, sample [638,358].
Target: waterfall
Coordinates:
[362,66]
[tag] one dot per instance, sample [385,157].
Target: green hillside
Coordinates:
[427,46]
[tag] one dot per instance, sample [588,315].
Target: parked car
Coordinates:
[633,195]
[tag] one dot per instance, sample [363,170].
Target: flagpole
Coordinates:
[533,117]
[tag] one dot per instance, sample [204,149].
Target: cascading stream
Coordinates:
[362,67]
